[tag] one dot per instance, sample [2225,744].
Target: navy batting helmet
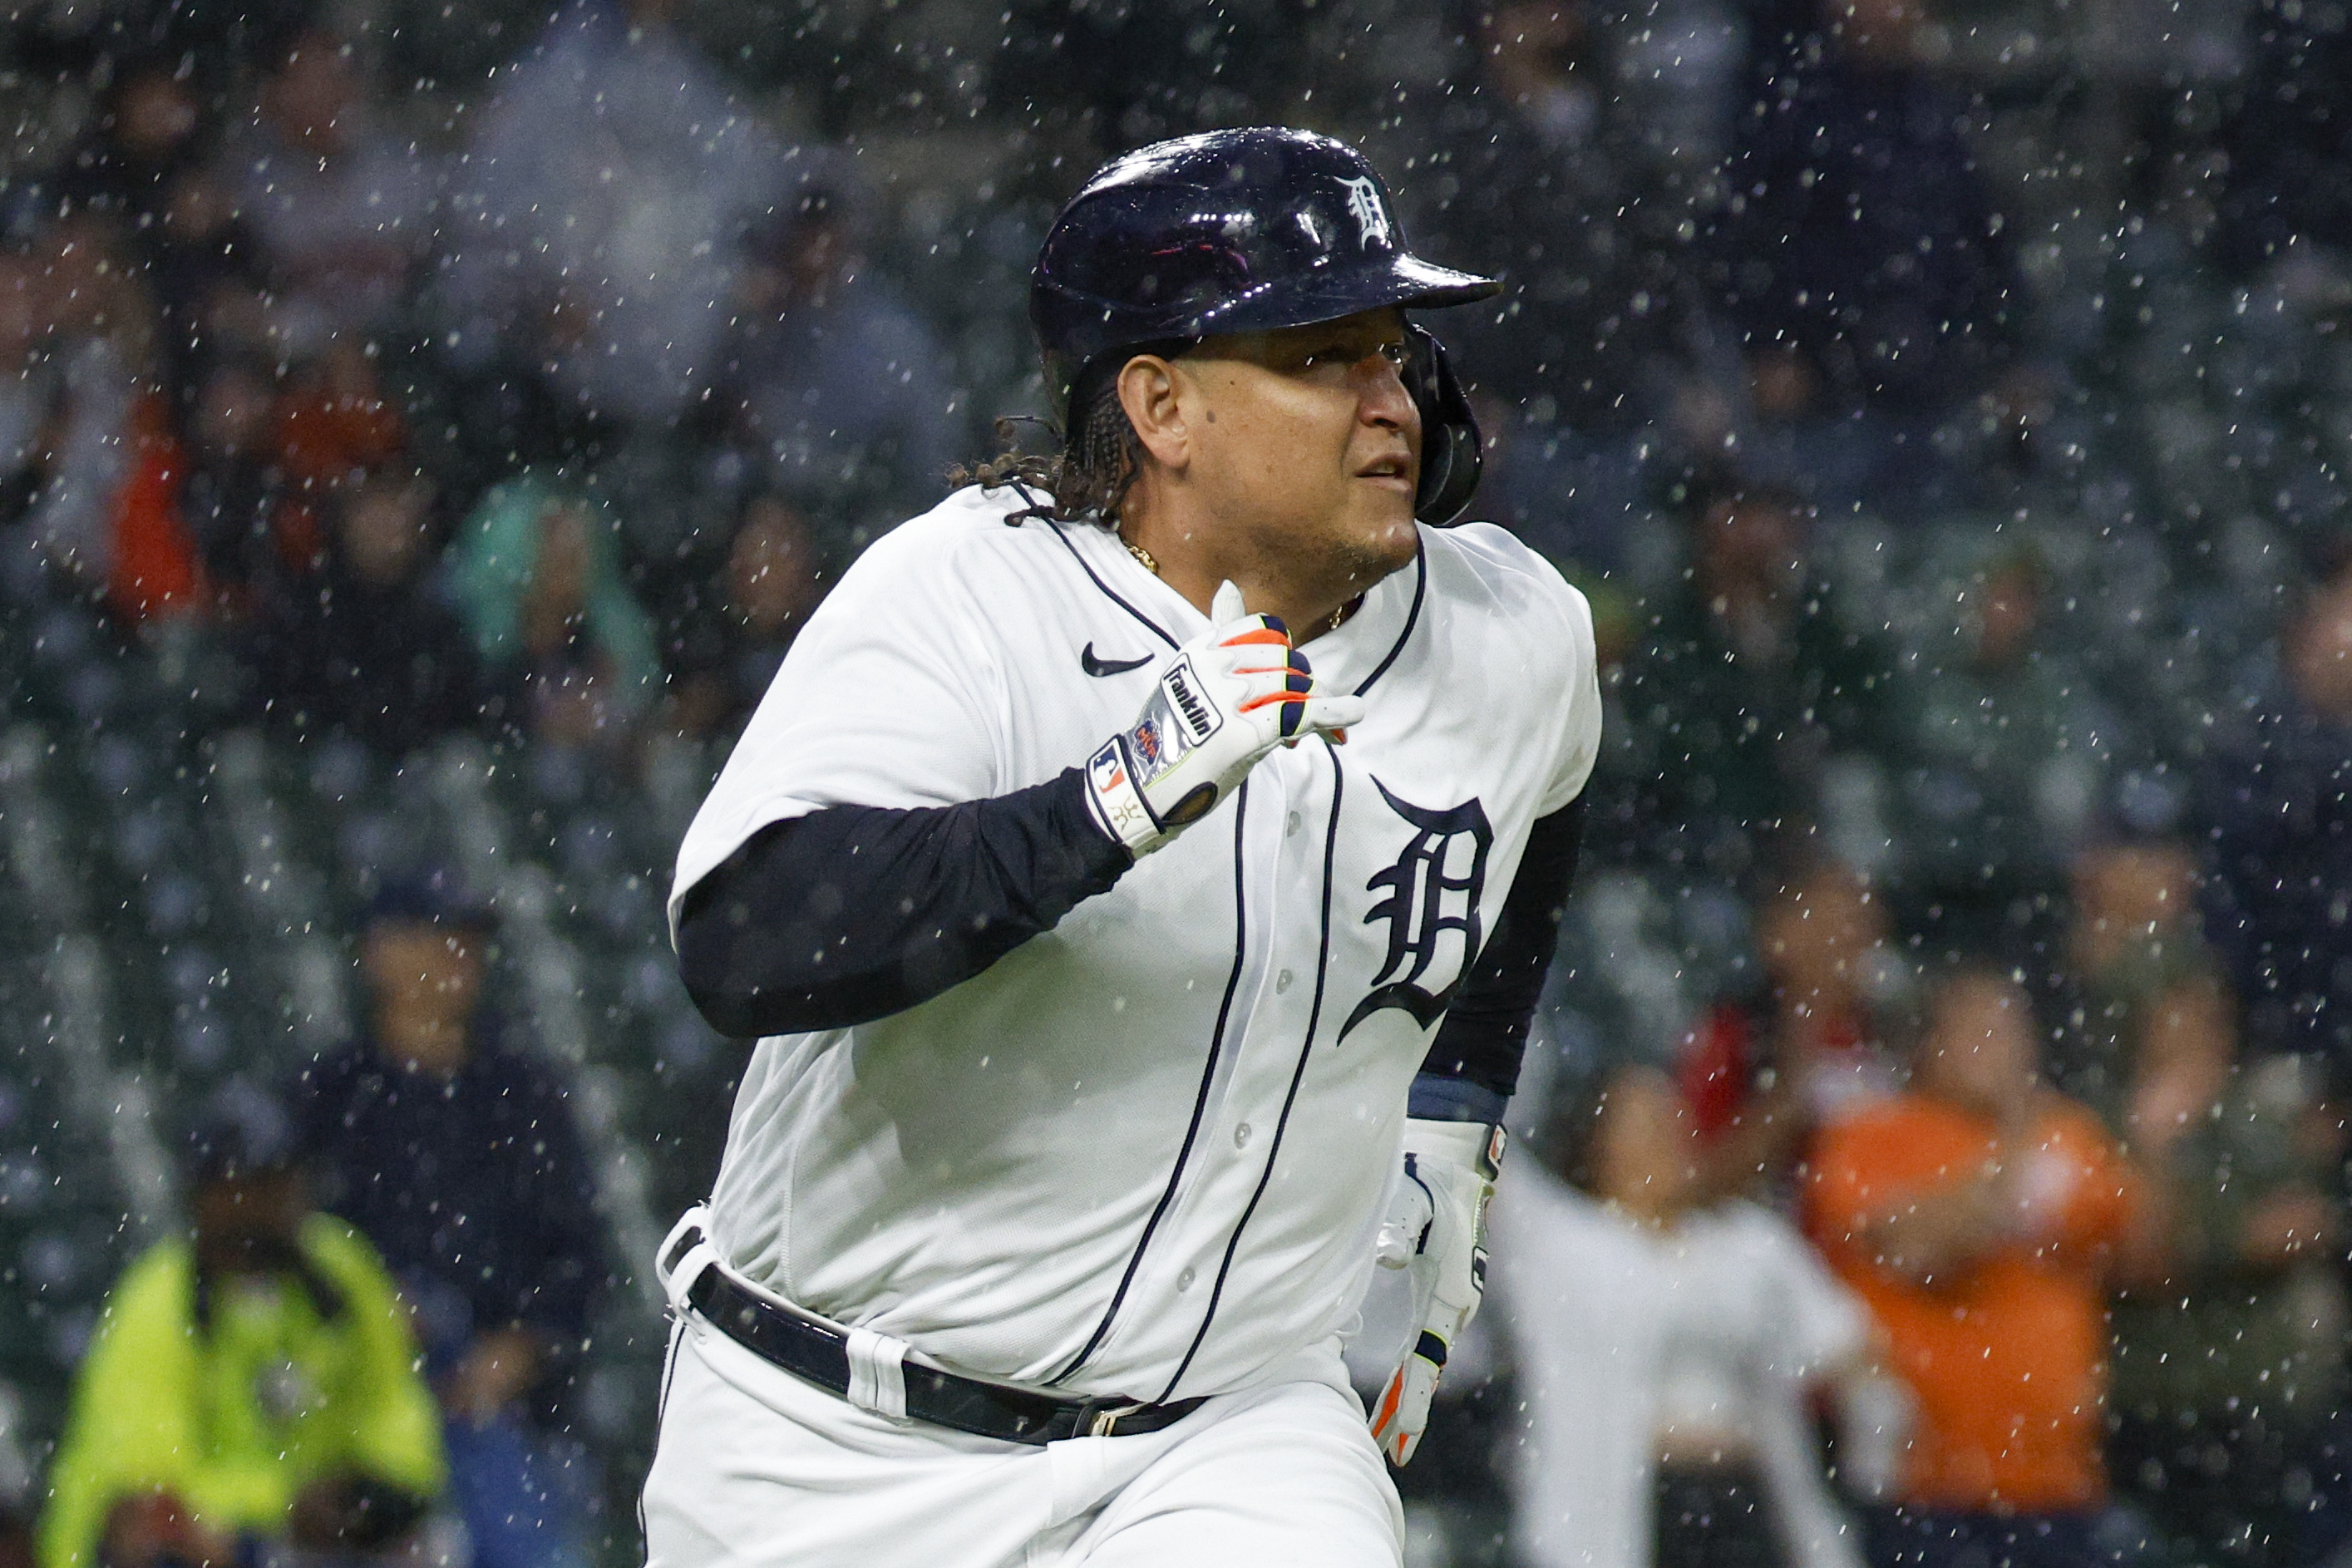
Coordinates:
[1243,231]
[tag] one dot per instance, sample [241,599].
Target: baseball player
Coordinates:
[1138,878]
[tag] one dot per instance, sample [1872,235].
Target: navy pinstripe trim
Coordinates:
[1157,629]
[1411,617]
[669,1369]
[1306,1051]
[1200,1100]
[661,1406]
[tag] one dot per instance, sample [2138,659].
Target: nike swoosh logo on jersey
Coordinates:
[1093,665]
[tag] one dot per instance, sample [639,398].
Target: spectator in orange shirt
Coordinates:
[1979,1215]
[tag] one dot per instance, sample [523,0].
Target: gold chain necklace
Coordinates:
[1144,556]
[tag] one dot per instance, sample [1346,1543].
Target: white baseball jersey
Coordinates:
[1143,1154]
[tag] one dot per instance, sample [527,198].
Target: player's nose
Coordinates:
[1381,398]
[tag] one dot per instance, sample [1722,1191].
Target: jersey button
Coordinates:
[1242,1136]
[1291,827]
[1282,982]
[1185,1280]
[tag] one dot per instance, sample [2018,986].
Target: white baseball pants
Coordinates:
[756,1468]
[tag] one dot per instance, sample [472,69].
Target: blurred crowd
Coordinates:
[371,1321]
[1934,1150]
[330,403]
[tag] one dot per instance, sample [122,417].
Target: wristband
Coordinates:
[1118,804]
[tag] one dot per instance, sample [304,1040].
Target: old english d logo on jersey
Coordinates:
[1432,891]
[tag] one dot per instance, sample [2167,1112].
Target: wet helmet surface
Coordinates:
[1247,231]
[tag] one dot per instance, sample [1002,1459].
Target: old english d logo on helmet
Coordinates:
[1370,213]
[1242,231]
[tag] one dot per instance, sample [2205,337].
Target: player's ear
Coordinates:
[1150,391]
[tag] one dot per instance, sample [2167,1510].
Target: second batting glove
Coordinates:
[1231,695]
[1435,1227]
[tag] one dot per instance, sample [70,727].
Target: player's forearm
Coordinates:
[1473,1065]
[856,913]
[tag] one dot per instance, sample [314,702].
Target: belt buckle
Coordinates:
[1102,1423]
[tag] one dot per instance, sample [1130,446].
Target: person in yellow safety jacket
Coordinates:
[255,1382]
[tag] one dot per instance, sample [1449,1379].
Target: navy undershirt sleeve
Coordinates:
[854,913]
[1473,1065]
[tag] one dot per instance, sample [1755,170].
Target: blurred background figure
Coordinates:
[230,488]
[2289,205]
[26,390]
[1983,1218]
[2134,963]
[2229,1358]
[598,217]
[1667,1347]
[1860,255]
[340,209]
[151,167]
[2281,804]
[255,1386]
[2009,744]
[1762,1070]
[2229,1344]
[17,1540]
[103,512]
[773,575]
[843,397]
[1552,177]
[1749,684]
[535,575]
[455,1153]
[334,423]
[148,133]
[364,646]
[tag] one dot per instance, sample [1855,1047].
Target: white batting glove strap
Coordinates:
[1229,697]
[1436,1227]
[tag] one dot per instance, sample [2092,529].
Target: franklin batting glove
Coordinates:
[1436,1227]
[1231,695]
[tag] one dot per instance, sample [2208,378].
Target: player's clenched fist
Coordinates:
[1230,696]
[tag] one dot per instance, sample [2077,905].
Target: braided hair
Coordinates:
[1101,455]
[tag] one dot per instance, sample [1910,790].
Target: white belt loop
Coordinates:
[877,1373]
[677,1277]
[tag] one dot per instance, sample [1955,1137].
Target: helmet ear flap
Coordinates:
[1450,444]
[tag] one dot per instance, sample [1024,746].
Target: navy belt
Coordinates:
[817,1354]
